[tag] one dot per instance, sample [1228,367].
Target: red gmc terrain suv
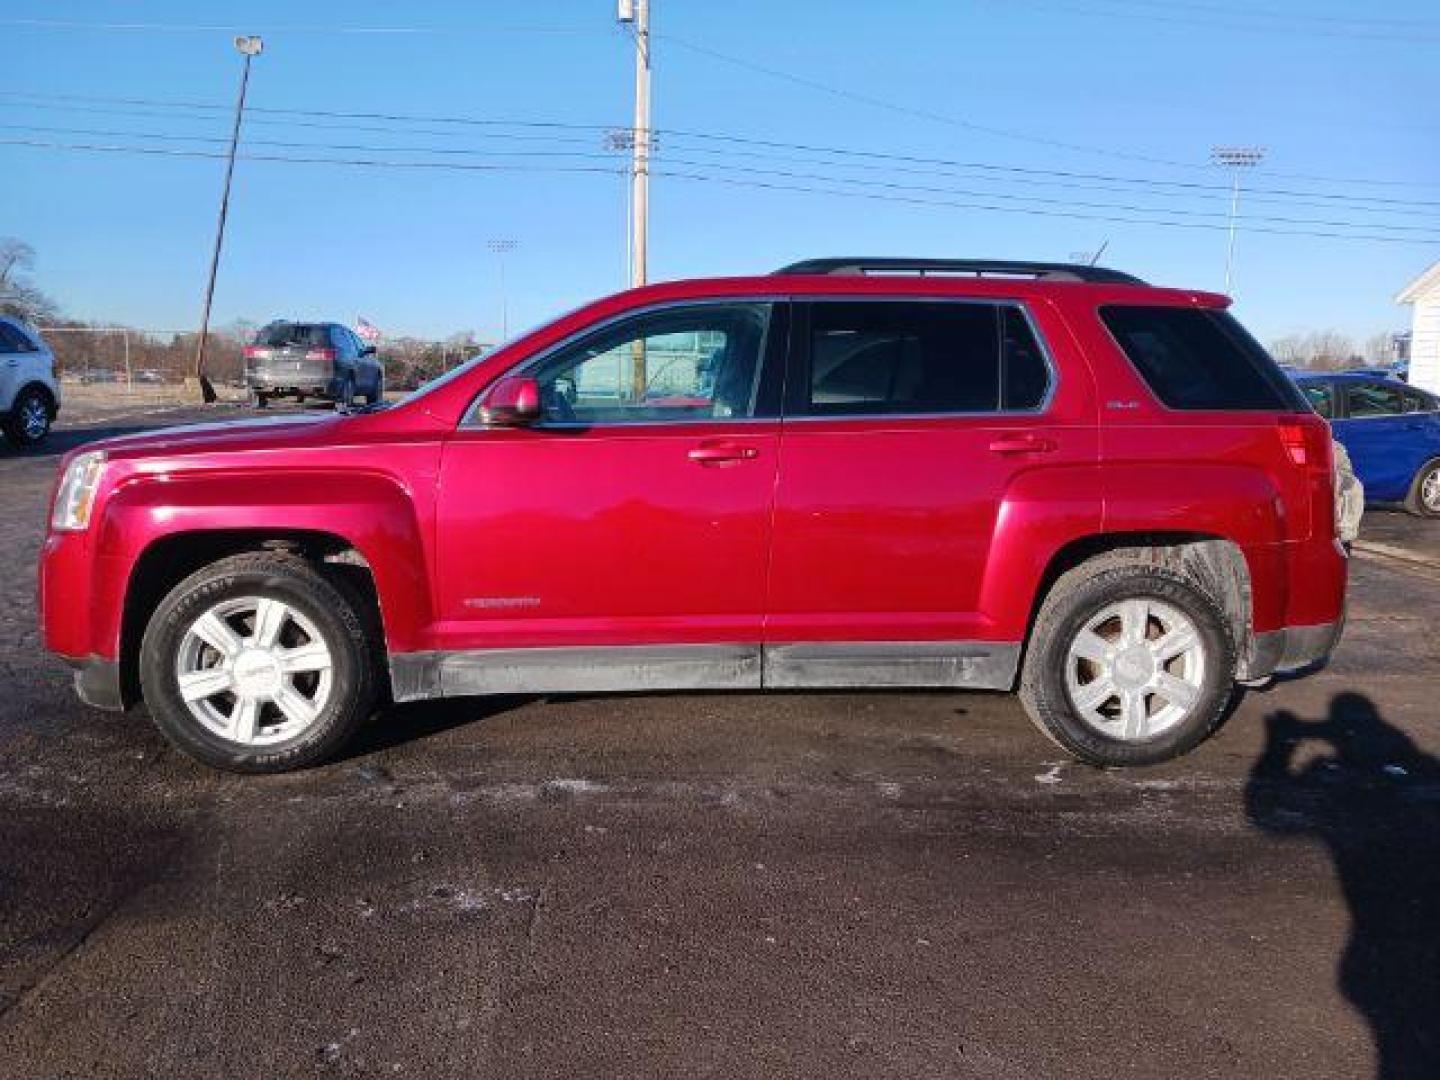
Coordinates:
[852,473]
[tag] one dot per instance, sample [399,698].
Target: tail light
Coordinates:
[1307,443]
[254,352]
[320,354]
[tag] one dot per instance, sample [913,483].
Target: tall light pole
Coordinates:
[248,47]
[1236,159]
[502,246]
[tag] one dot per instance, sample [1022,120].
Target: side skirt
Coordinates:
[642,668]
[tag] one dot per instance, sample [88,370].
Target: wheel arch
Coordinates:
[1215,564]
[168,560]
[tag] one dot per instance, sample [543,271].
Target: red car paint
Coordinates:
[714,531]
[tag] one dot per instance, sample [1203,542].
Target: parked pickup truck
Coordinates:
[851,473]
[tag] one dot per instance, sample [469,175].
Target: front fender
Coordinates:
[370,511]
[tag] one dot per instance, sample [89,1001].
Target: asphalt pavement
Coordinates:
[870,885]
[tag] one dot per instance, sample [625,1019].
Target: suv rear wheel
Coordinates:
[1424,497]
[258,664]
[1128,664]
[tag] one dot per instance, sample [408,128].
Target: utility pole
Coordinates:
[502,246]
[1236,159]
[637,13]
[248,47]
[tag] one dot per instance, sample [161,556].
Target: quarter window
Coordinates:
[888,357]
[1195,358]
[695,363]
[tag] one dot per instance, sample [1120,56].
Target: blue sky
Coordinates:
[1108,91]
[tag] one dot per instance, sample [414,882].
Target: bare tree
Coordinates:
[1290,350]
[19,296]
[1329,350]
[1379,349]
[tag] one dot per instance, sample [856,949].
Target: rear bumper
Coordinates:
[1293,649]
[97,683]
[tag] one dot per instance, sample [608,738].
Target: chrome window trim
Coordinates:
[471,415]
[1052,369]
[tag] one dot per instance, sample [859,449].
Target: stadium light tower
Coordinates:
[502,246]
[1237,159]
[248,47]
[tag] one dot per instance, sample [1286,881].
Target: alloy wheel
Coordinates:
[254,671]
[1135,669]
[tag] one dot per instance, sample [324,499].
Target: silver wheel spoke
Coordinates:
[207,682]
[1176,691]
[270,617]
[1180,640]
[1134,713]
[312,657]
[216,633]
[1089,645]
[1094,694]
[245,719]
[1134,619]
[294,706]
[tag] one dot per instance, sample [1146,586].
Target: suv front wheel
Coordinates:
[29,420]
[1128,664]
[258,664]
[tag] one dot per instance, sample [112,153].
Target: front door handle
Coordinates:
[1021,444]
[718,453]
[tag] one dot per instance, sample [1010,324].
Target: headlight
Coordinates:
[76,496]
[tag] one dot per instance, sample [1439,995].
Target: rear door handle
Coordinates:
[1021,444]
[718,453]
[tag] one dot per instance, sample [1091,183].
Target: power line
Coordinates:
[738,182]
[741,140]
[209,28]
[749,169]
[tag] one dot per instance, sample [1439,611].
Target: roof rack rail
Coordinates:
[1042,271]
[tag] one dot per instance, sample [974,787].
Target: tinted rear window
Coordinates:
[278,335]
[1195,358]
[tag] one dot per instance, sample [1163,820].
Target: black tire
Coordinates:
[330,607]
[259,399]
[346,397]
[1415,500]
[1076,598]
[30,418]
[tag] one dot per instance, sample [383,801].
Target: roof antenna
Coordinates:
[1099,251]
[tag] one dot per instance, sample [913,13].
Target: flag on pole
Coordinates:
[367,331]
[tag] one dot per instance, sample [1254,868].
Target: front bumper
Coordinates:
[1293,649]
[97,682]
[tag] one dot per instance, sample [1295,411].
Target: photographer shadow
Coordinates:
[1373,797]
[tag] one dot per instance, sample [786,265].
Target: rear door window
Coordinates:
[1373,399]
[1198,358]
[876,357]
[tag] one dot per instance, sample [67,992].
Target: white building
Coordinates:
[1423,295]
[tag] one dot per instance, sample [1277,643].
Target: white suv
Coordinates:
[29,393]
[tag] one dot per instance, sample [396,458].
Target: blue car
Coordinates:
[1391,431]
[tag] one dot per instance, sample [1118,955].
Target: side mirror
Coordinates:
[367,350]
[514,401]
